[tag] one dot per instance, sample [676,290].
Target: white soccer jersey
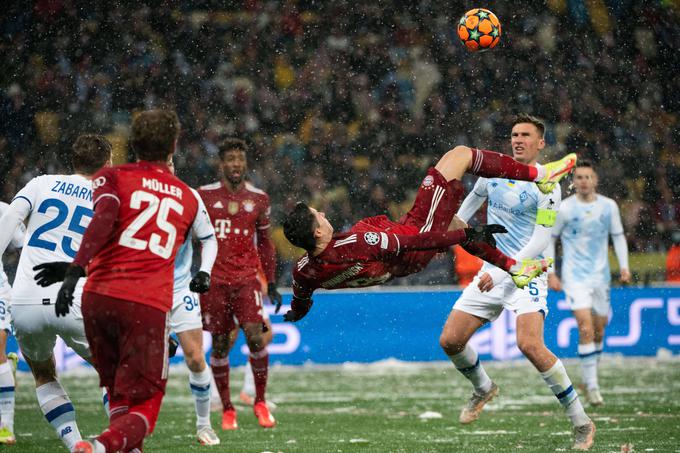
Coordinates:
[515,205]
[584,229]
[202,229]
[17,241]
[58,209]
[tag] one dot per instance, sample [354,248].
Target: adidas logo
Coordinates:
[218,205]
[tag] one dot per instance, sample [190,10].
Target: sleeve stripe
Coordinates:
[207,237]
[264,227]
[30,205]
[398,244]
[384,241]
[105,195]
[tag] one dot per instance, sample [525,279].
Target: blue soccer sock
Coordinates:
[560,384]
[59,412]
[200,389]
[467,362]
[7,395]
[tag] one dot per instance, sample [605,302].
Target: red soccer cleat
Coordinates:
[229,420]
[264,417]
[83,446]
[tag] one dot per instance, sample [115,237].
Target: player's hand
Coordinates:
[299,308]
[485,282]
[626,276]
[65,294]
[483,233]
[200,283]
[50,273]
[274,296]
[554,282]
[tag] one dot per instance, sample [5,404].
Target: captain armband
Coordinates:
[546,217]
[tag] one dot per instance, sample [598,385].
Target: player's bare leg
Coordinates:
[530,342]
[53,399]
[199,381]
[7,384]
[259,362]
[457,331]
[219,363]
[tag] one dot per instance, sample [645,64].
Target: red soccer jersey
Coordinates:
[155,213]
[241,221]
[369,254]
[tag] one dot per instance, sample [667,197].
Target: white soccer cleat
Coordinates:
[474,406]
[584,436]
[207,436]
[595,398]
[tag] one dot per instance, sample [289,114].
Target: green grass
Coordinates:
[377,408]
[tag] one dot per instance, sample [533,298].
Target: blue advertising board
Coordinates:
[405,325]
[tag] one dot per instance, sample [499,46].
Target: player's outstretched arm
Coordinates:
[298,309]
[11,220]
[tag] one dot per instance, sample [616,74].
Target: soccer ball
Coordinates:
[479,29]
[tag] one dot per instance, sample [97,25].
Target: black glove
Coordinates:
[65,294]
[483,233]
[299,308]
[172,347]
[274,296]
[50,273]
[200,283]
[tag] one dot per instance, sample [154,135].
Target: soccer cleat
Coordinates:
[474,406]
[83,446]
[595,398]
[229,420]
[7,436]
[584,436]
[264,417]
[529,270]
[206,436]
[555,171]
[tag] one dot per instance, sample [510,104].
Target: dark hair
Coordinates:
[231,143]
[585,163]
[89,153]
[298,227]
[154,133]
[526,118]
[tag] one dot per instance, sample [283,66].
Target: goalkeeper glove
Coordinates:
[65,294]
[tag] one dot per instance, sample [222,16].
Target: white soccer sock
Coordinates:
[200,389]
[560,384]
[7,395]
[59,412]
[587,354]
[248,380]
[599,347]
[467,362]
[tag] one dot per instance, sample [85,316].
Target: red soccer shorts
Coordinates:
[128,341]
[224,302]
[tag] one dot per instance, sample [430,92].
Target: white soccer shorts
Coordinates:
[37,326]
[186,311]
[6,307]
[505,295]
[582,297]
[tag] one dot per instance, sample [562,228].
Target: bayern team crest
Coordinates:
[428,181]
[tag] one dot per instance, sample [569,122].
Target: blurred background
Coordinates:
[345,104]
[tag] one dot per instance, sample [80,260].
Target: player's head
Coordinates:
[232,153]
[89,153]
[304,226]
[585,177]
[154,135]
[527,138]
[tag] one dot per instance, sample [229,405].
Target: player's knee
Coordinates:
[195,361]
[530,347]
[450,344]
[256,342]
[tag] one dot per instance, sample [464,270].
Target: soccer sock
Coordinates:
[490,254]
[491,164]
[259,362]
[588,357]
[599,347]
[467,362]
[7,395]
[560,384]
[123,432]
[220,371]
[105,402]
[200,388]
[59,412]
[248,380]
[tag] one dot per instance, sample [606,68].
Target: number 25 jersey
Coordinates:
[155,213]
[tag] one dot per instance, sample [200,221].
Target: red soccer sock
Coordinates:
[491,164]
[220,370]
[490,254]
[126,431]
[259,363]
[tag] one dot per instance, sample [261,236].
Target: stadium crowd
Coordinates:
[346,103]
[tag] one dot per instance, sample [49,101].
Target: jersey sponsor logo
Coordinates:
[98,182]
[428,181]
[371,238]
[347,274]
[218,205]
[232,207]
